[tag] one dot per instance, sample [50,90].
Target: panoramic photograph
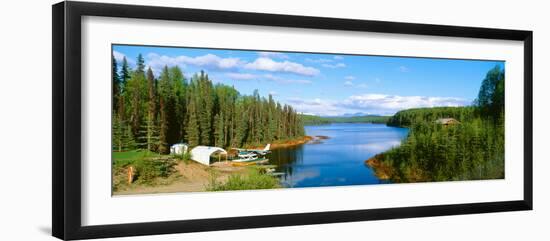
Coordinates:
[203,120]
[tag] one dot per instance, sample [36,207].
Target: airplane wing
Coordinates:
[257,151]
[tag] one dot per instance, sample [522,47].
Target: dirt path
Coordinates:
[191,177]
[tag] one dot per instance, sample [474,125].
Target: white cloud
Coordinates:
[267,64]
[348,83]
[273,55]
[214,62]
[315,106]
[286,81]
[120,56]
[349,77]
[301,176]
[393,103]
[403,69]
[380,104]
[319,61]
[362,86]
[334,66]
[296,81]
[209,61]
[241,76]
[338,57]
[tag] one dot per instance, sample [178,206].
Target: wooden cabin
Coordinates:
[447,121]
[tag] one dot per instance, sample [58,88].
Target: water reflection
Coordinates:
[338,160]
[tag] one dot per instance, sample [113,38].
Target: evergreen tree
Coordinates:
[140,64]
[164,92]
[123,140]
[218,130]
[193,133]
[177,100]
[152,95]
[491,94]
[149,138]
[128,140]
[149,134]
[124,72]
[124,76]
[136,95]
[118,134]
[116,85]
[206,102]
[472,149]
[161,112]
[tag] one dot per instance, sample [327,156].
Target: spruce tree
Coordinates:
[149,135]
[124,72]
[140,64]
[115,85]
[136,94]
[118,134]
[164,91]
[124,76]
[152,100]
[193,133]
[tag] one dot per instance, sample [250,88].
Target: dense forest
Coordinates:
[321,120]
[472,148]
[153,112]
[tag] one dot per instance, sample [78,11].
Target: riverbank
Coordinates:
[189,176]
[469,148]
[285,143]
[195,177]
[382,171]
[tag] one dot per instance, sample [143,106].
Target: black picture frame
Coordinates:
[66,128]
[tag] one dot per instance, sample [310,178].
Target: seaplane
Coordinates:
[252,155]
[261,152]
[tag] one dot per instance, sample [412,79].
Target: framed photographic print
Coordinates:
[170,120]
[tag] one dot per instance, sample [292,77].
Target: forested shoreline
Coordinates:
[470,149]
[321,120]
[153,112]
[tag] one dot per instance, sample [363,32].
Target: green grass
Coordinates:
[133,155]
[253,179]
[123,159]
[149,168]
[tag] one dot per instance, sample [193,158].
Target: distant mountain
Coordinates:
[355,114]
[319,120]
[350,115]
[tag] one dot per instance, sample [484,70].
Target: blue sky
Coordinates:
[328,84]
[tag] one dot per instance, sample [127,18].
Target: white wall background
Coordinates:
[25,126]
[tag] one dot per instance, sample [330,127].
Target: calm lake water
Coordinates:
[338,160]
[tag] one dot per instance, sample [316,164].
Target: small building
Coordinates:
[203,154]
[179,149]
[447,121]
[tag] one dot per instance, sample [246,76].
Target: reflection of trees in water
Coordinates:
[286,159]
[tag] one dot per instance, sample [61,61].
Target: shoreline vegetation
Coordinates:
[277,144]
[151,113]
[449,143]
[183,175]
[321,120]
[156,173]
[194,177]
[154,112]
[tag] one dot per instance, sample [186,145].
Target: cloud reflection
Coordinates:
[296,178]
